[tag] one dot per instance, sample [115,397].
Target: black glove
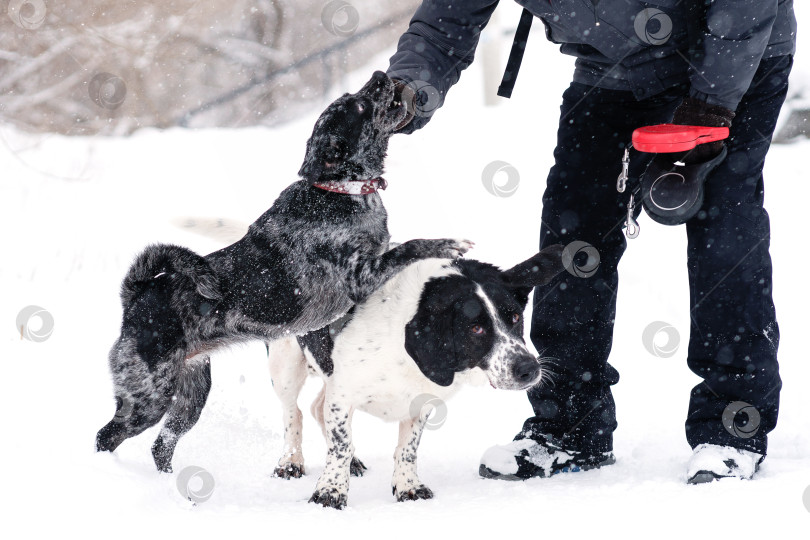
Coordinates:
[672,184]
[694,112]
[421,100]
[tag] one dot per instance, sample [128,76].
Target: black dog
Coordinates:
[319,249]
[413,342]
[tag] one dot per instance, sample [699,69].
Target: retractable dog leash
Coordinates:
[662,139]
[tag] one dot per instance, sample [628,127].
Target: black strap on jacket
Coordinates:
[516,54]
[695,25]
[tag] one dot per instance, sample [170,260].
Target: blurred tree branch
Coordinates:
[113,66]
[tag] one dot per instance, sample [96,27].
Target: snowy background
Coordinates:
[76,211]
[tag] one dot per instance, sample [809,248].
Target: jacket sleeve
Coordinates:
[734,36]
[438,45]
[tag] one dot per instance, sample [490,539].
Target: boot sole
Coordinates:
[486,472]
[704,477]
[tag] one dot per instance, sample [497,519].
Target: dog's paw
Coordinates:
[162,456]
[357,468]
[412,493]
[330,498]
[289,470]
[453,248]
[464,246]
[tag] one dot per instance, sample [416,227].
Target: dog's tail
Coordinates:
[186,271]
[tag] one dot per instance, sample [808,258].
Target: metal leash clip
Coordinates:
[632,227]
[621,182]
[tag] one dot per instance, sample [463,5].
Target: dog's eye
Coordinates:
[515,318]
[477,329]
[361,107]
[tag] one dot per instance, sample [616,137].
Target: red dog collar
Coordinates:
[353,187]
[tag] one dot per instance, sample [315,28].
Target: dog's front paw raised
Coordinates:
[289,470]
[444,248]
[448,248]
[330,498]
[412,493]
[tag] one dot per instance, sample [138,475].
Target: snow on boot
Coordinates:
[712,462]
[537,457]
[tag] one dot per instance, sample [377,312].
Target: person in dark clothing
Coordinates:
[693,62]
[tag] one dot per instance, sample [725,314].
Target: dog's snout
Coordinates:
[379,82]
[526,370]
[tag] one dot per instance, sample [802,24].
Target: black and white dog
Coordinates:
[317,251]
[424,332]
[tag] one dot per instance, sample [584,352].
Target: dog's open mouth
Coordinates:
[394,113]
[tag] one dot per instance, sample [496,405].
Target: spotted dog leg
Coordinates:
[357,468]
[406,485]
[332,489]
[288,370]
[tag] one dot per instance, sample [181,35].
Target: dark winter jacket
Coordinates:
[640,46]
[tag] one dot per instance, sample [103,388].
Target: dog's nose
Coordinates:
[526,370]
[379,81]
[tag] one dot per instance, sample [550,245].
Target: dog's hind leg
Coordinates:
[317,409]
[288,370]
[193,386]
[406,484]
[143,393]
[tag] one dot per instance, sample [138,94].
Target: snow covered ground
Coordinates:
[76,211]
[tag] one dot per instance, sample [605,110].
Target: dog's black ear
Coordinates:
[429,341]
[538,270]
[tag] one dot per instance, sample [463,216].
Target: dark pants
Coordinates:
[733,335]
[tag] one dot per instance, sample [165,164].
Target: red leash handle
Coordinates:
[664,138]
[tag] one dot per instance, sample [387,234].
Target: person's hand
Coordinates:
[403,93]
[694,112]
